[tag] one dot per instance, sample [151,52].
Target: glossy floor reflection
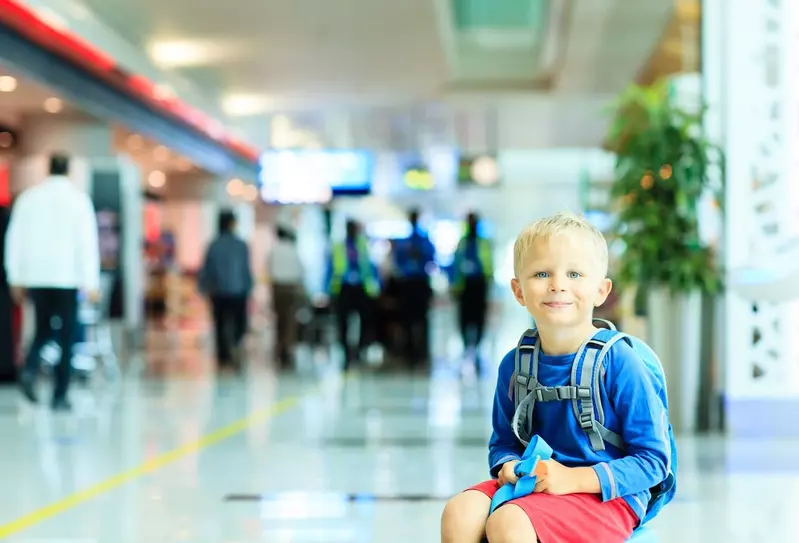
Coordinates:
[174,453]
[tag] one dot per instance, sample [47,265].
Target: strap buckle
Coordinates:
[552,394]
[584,393]
[587,420]
[522,379]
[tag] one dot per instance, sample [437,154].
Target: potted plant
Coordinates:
[663,172]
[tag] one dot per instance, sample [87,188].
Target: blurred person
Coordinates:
[414,258]
[8,369]
[473,268]
[226,279]
[286,274]
[353,285]
[52,252]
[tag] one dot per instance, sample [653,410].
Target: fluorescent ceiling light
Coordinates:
[242,105]
[185,53]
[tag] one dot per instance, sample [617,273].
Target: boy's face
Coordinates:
[561,281]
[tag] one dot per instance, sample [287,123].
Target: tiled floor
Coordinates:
[176,454]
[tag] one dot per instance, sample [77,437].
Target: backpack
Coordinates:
[584,394]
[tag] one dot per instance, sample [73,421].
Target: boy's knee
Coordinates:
[465,513]
[510,524]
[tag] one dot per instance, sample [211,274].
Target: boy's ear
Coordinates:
[604,291]
[516,287]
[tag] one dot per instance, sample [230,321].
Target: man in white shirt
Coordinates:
[52,253]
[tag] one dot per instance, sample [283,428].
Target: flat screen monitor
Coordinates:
[314,176]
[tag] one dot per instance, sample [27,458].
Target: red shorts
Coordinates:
[575,518]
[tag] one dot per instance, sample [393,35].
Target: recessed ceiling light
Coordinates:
[135,142]
[8,84]
[235,187]
[250,193]
[161,153]
[156,179]
[184,165]
[53,105]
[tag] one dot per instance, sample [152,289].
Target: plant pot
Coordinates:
[674,328]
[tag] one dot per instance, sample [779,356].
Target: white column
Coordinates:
[749,63]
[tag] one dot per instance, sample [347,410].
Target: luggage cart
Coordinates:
[94,342]
[316,323]
[97,344]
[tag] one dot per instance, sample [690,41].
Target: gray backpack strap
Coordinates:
[524,383]
[588,406]
[609,325]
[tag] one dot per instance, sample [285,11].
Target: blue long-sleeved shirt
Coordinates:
[413,255]
[629,395]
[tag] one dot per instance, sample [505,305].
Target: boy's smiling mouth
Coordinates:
[557,305]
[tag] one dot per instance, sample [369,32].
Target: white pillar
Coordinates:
[749,63]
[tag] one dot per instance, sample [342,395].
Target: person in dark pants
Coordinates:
[286,275]
[8,368]
[473,274]
[353,285]
[226,279]
[52,253]
[414,258]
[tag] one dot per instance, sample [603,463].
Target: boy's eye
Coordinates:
[574,275]
[541,275]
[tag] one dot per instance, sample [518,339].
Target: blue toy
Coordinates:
[527,470]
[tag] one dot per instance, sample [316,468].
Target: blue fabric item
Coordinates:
[537,450]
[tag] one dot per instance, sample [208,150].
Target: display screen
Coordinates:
[311,176]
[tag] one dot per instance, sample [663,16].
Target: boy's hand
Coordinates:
[557,479]
[506,474]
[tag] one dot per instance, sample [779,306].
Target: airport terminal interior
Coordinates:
[287,315]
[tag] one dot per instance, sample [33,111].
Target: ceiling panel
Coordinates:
[298,48]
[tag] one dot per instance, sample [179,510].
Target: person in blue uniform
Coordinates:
[353,285]
[414,258]
[473,273]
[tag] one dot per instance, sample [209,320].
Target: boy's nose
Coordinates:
[556,285]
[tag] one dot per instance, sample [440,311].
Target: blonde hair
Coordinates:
[563,222]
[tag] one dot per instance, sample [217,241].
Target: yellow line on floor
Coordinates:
[115,481]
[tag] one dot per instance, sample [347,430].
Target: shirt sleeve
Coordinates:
[14,242]
[633,392]
[503,445]
[89,246]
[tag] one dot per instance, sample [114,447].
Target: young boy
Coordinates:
[587,496]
